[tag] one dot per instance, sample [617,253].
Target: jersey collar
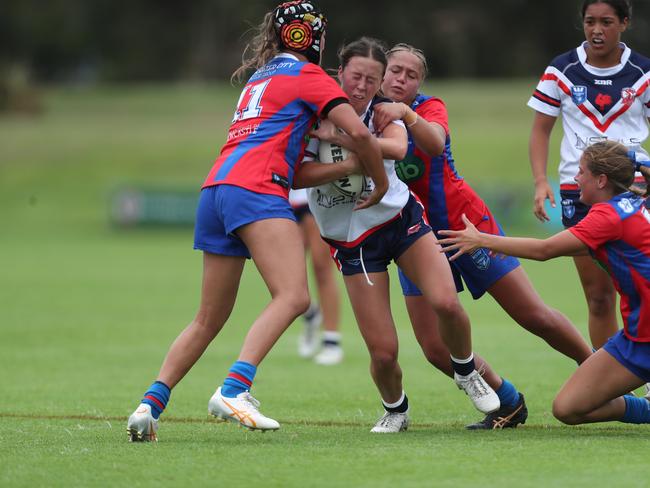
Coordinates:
[612,70]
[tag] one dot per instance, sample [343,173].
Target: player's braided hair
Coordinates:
[613,159]
[418,53]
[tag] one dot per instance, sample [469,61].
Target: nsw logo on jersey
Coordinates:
[579,94]
[568,208]
[481,259]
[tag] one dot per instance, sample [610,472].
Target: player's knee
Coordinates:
[448,306]
[565,412]
[297,301]
[600,302]
[384,359]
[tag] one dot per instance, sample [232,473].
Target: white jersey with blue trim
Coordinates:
[596,104]
[334,212]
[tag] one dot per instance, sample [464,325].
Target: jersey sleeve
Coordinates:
[602,224]
[320,90]
[434,110]
[546,97]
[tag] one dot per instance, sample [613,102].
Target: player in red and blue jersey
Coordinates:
[244,210]
[616,233]
[600,90]
[430,172]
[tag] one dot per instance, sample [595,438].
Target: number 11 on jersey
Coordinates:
[253,108]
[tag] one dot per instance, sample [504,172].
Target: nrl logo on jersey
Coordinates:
[628,95]
[579,94]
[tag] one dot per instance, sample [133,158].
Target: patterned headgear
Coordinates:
[300,25]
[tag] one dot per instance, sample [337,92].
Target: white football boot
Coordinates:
[142,427]
[482,395]
[646,387]
[242,409]
[329,355]
[309,339]
[391,423]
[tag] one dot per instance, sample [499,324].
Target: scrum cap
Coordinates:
[300,25]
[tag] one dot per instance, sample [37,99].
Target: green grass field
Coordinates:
[88,311]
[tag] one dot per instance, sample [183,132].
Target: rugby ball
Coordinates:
[351,186]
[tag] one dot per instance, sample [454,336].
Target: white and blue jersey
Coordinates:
[337,220]
[596,104]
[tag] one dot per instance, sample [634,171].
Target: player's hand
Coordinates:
[372,198]
[353,164]
[543,191]
[461,241]
[385,113]
[326,131]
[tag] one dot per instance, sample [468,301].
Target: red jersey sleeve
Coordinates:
[434,110]
[319,89]
[602,224]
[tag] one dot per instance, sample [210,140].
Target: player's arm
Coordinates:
[393,143]
[314,173]
[428,136]
[540,136]
[367,149]
[465,241]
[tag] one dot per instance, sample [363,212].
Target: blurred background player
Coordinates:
[429,170]
[326,348]
[616,232]
[600,90]
[364,241]
[244,210]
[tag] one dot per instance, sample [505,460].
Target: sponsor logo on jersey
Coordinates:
[603,82]
[579,94]
[602,101]
[625,205]
[481,259]
[413,229]
[410,168]
[628,95]
[280,180]
[568,208]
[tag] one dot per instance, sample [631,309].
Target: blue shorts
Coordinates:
[634,356]
[300,211]
[573,210]
[479,270]
[223,209]
[385,244]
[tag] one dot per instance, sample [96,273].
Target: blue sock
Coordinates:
[157,396]
[637,410]
[508,394]
[463,367]
[239,379]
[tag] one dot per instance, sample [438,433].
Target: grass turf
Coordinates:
[87,312]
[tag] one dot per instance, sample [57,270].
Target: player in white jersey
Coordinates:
[364,243]
[600,89]
[325,350]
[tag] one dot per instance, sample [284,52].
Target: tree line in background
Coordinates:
[167,40]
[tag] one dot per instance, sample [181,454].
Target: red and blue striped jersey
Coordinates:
[617,233]
[443,192]
[276,109]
